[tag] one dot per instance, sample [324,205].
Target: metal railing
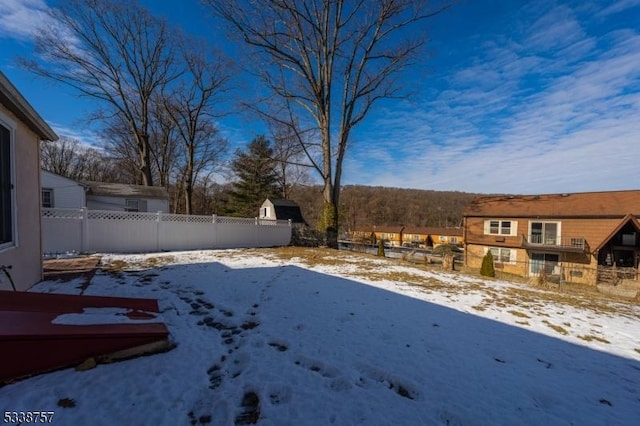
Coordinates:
[554,241]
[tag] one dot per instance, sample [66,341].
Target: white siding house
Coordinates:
[60,192]
[123,197]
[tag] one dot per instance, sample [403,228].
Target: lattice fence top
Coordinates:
[183,218]
[62,213]
[236,220]
[114,215]
[155,217]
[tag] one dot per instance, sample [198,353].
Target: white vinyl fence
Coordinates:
[82,230]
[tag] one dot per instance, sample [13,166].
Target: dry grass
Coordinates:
[117,265]
[591,338]
[519,314]
[519,294]
[555,327]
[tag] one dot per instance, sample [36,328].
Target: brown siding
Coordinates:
[475,234]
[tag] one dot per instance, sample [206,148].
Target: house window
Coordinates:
[629,239]
[453,240]
[503,255]
[500,227]
[547,233]
[47,198]
[132,205]
[547,262]
[7,236]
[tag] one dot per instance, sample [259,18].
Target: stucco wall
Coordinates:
[24,257]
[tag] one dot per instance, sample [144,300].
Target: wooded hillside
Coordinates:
[368,205]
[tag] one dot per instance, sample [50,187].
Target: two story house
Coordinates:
[570,237]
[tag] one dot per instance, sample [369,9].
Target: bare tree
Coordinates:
[190,107]
[164,144]
[111,51]
[70,158]
[122,147]
[289,157]
[63,157]
[328,63]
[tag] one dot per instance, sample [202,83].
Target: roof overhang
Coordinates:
[11,98]
[628,218]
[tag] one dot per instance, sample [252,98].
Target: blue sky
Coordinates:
[513,96]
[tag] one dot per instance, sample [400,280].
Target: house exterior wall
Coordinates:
[575,267]
[100,202]
[446,239]
[67,193]
[25,254]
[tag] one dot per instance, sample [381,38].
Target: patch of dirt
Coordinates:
[69,269]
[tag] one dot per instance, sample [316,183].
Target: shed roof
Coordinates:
[13,100]
[125,190]
[587,204]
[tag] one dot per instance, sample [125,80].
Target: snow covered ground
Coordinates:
[340,338]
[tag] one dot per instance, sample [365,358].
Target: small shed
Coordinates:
[60,192]
[280,209]
[124,197]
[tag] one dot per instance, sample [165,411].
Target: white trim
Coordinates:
[558,229]
[11,125]
[545,253]
[513,227]
[497,259]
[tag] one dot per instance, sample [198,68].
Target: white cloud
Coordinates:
[21,18]
[619,6]
[516,120]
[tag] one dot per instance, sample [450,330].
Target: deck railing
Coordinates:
[571,243]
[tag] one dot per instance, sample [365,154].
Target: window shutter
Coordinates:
[143,205]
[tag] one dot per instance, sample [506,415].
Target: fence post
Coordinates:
[256,234]
[84,230]
[158,224]
[215,231]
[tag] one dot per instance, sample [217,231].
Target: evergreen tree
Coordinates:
[256,177]
[487,269]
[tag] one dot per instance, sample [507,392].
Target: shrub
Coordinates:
[380,248]
[487,269]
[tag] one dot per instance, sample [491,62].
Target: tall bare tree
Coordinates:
[70,158]
[112,51]
[63,157]
[289,157]
[328,62]
[190,107]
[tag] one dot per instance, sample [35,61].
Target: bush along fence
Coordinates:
[82,230]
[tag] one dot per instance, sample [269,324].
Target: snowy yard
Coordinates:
[317,337]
